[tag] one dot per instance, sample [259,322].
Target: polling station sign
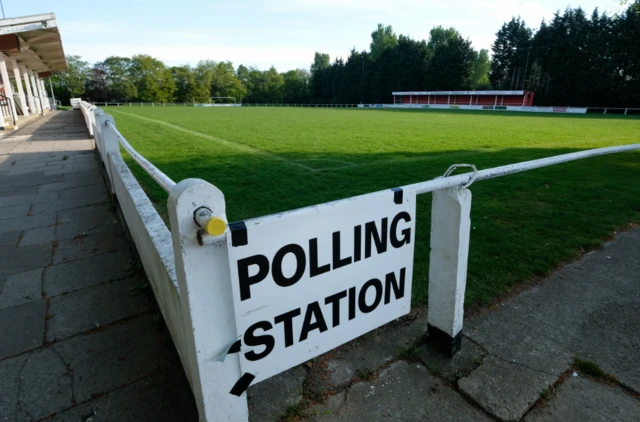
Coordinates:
[307,281]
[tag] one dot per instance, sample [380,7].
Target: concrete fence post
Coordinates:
[88,118]
[109,143]
[206,299]
[450,228]
[92,121]
[97,132]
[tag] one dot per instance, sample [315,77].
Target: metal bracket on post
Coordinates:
[209,224]
[450,229]
[454,167]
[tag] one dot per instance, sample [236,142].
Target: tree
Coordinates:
[187,88]
[97,83]
[439,35]
[267,86]
[120,86]
[224,82]
[510,55]
[451,67]
[296,86]
[319,72]
[73,82]
[633,4]
[381,39]
[481,67]
[320,62]
[152,79]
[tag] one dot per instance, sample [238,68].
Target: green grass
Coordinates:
[589,368]
[267,160]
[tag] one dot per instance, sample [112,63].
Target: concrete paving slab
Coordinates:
[17,260]
[504,389]
[326,411]
[6,148]
[22,288]
[162,397]
[73,154]
[451,370]
[94,307]
[6,191]
[14,211]
[83,175]
[80,192]
[28,199]
[22,169]
[92,179]
[402,392]
[513,335]
[29,222]
[606,275]
[374,349]
[93,244]
[609,336]
[46,384]
[29,179]
[38,236]
[580,399]
[118,355]
[21,327]
[10,386]
[10,238]
[86,221]
[82,273]
[70,169]
[62,204]
[270,399]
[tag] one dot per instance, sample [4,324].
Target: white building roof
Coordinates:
[40,43]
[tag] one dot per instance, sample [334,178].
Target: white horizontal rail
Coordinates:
[162,179]
[463,179]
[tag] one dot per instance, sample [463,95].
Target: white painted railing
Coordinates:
[189,270]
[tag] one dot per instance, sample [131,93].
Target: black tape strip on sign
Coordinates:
[397,195]
[243,383]
[235,347]
[239,235]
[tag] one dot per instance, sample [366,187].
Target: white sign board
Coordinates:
[307,281]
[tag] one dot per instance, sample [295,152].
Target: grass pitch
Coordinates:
[267,160]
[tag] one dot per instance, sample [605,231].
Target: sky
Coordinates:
[280,33]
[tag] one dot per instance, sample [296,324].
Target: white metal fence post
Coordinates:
[450,227]
[206,298]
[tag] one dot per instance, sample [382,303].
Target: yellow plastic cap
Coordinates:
[215,226]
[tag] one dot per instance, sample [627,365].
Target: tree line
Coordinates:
[574,59]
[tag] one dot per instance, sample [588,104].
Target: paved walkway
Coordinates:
[80,337]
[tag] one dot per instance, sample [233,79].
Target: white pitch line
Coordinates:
[237,145]
[402,160]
